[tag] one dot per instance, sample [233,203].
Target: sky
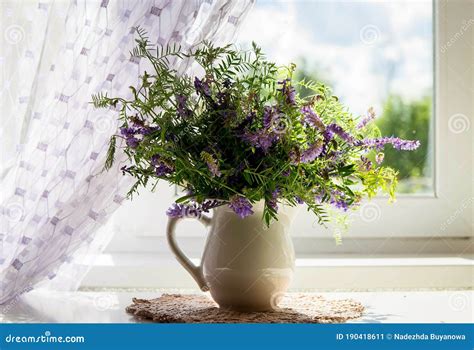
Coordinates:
[366,49]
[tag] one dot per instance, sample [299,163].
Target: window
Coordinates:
[410,61]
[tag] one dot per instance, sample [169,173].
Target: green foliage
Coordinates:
[307,72]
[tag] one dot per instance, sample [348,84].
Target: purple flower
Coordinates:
[260,139]
[327,135]
[288,91]
[273,201]
[163,169]
[241,206]
[335,197]
[268,113]
[183,110]
[202,87]
[397,143]
[155,160]
[128,132]
[184,211]
[193,209]
[181,99]
[311,118]
[175,211]
[339,131]
[286,173]
[370,116]
[313,151]
[340,204]
[132,142]
[405,145]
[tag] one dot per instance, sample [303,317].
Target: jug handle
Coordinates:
[194,271]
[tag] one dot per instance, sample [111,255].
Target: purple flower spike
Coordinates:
[370,116]
[339,131]
[175,211]
[163,169]
[193,209]
[273,202]
[268,114]
[155,160]
[202,87]
[311,118]
[397,143]
[128,132]
[312,152]
[241,206]
[183,110]
[406,145]
[132,142]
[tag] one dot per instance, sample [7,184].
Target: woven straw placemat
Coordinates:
[293,308]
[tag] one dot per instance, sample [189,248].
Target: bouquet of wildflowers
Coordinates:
[240,133]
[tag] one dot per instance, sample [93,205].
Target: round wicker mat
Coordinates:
[293,308]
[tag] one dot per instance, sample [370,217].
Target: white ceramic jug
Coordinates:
[245,265]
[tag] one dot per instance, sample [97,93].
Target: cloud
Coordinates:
[397,61]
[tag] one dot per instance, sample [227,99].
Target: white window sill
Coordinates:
[109,306]
[325,273]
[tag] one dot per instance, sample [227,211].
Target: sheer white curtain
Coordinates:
[54,196]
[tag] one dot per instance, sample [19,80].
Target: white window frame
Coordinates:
[439,223]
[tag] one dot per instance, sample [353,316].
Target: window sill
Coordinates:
[108,306]
[325,273]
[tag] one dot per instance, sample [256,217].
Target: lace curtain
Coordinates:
[54,197]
